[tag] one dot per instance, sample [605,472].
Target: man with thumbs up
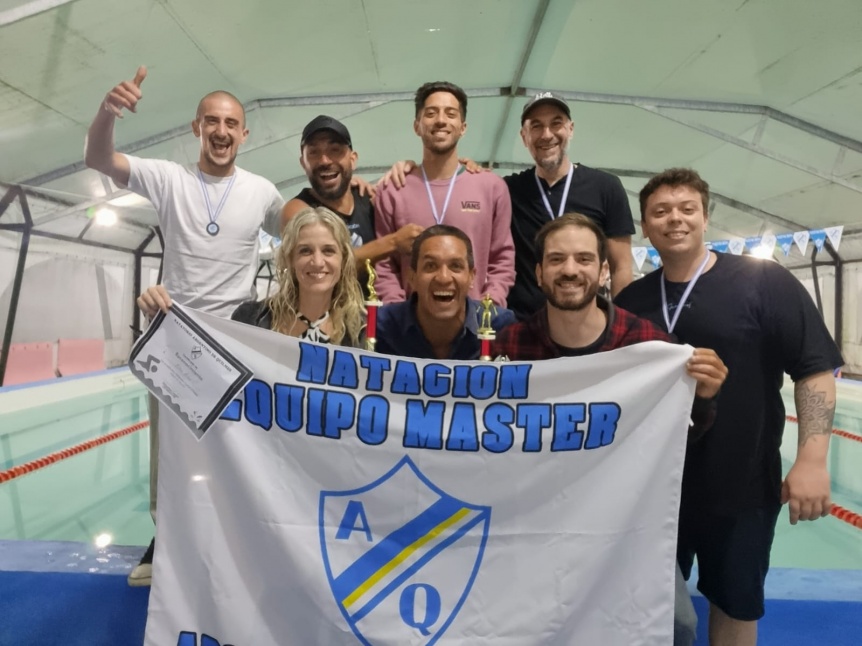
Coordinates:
[210,214]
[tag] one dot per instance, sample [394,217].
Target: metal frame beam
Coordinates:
[817,298]
[5,202]
[29,9]
[378,98]
[838,294]
[514,88]
[511,92]
[82,206]
[136,313]
[755,148]
[709,106]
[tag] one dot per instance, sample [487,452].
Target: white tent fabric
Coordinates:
[761,96]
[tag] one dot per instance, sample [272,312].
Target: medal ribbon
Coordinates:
[565,193]
[213,216]
[439,217]
[671,323]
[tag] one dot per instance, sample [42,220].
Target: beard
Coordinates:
[331,193]
[552,164]
[571,303]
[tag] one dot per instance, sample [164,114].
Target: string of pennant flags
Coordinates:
[763,246]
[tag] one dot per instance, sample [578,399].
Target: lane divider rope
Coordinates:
[51,458]
[839,512]
[849,517]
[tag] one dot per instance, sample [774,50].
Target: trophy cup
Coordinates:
[486,332]
[371,306]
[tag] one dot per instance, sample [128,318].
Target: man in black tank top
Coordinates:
[328,158]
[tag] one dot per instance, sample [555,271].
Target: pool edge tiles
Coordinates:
[67,557]
[32,404]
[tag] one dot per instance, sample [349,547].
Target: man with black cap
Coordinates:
[328,158]
[556,186]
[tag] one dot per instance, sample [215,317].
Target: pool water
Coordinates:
[101,491]
[106,490]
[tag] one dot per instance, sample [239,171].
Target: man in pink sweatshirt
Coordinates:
[438,192]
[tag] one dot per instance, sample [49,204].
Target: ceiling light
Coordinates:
[762,251]
[106,217]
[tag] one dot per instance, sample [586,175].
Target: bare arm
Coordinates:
[291,208]
[400,241]
[99,152]
[620,260]
[806,487]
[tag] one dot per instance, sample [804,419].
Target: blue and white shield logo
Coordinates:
[401,555]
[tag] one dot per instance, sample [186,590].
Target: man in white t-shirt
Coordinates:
[210,214]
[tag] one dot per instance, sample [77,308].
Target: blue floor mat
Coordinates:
[60,609]
[82,609]
[799,623]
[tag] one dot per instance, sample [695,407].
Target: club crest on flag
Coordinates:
[401,555]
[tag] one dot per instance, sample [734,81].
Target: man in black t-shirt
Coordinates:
[556,186]
[762,323]
[328,158]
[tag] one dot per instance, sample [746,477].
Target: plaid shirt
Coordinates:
[530,340]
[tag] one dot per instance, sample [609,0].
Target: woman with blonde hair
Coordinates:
[318,297]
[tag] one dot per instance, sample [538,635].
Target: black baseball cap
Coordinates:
[542,98]
[322,122]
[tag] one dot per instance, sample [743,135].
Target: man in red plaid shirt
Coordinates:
[577,321]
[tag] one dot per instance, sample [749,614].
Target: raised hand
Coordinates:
[125,95]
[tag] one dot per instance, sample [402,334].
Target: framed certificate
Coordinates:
[187,370]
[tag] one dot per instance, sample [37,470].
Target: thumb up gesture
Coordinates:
[125,95]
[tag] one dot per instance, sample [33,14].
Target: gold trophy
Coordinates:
[486,332]
[371,306]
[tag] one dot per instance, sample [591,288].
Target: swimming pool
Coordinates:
[106,490]
[100,492]
[103,494]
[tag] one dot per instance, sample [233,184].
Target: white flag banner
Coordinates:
[767,242]
[834,235]
[736,246]
[347,497]
[801,239]
[639,254]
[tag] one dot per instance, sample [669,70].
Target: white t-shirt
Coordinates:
[210,273]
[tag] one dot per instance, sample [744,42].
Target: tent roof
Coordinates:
[761,96]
